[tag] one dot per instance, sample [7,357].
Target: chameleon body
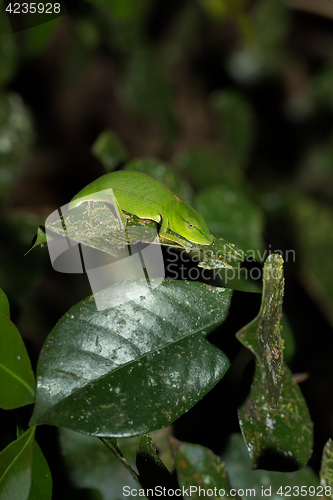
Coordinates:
[143,196]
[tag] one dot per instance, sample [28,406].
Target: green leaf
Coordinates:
[109,150]
[16,139]
[326,471]
[198,467]
[206,168]
[263,335]
[40,238]
[282,433]
[161,440]
[92,465]
[322,86]
[146,82]
[95,225]
[39,37]
[264,483]
[288,339]
[19,274]
[152,471]
[133,368]
[312,222]
[4,304]
[222,255]
[9,52]
[236,123]
[225,259]
[146,451]
[229,213]
[164,173]
[17,382]
[41,480]
[16,467]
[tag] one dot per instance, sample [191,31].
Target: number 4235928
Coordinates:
[305,491]
[33,8]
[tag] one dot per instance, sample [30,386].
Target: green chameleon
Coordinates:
[143,196]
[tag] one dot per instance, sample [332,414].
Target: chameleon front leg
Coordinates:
[163,233]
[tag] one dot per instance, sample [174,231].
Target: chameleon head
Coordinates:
[189,224]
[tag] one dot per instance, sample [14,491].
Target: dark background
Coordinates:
[237,93]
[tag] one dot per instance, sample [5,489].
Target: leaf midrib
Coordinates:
[22,381]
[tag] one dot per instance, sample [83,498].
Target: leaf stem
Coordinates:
[111,443]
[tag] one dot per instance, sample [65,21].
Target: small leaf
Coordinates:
[109,150]
[40,238]
[152,471]
[4,304]
[263,335]
[41,480]
[236,122]
[133,368]
[326,471]
[225,259]
[17,382]
[222,254]
[262,483]
[198,467]
[272,434]
[16,467]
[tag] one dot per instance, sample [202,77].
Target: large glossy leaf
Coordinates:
[4,304]
[265,483]
[17,382]
[263,335]
[133,368]
[280,436]
[200,472]
[16,468]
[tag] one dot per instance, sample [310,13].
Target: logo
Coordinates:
[91,236]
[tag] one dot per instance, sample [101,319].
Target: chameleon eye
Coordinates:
[190,225]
